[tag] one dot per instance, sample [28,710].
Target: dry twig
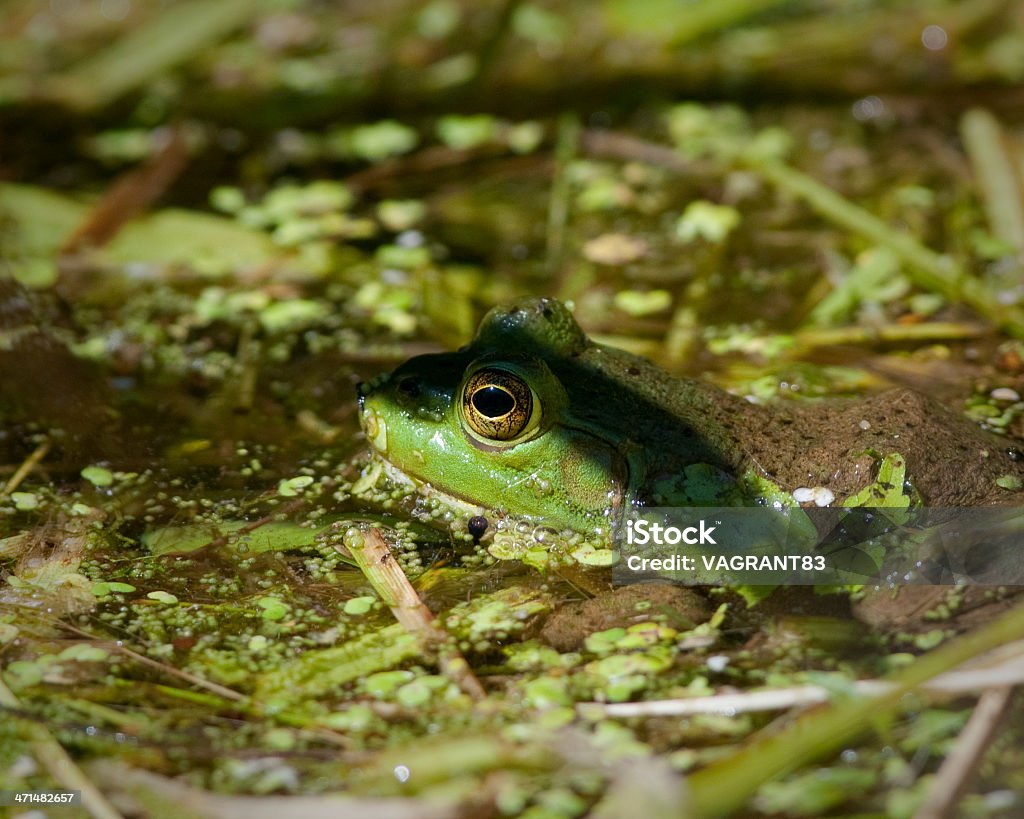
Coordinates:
[950,684]
[956,771]
[26,466]
[130,195]
[370,551]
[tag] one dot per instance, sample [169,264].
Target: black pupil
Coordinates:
[493,402]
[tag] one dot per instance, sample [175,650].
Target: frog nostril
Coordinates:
[409,387]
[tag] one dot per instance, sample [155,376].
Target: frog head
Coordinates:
[494,424]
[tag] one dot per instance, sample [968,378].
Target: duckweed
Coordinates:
[231,344]
[98,476]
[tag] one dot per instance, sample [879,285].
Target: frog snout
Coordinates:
[367,388]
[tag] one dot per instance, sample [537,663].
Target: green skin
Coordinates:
[611,430]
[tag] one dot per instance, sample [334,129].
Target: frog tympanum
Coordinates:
[534,422]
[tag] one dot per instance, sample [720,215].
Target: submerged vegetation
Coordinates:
[213,224]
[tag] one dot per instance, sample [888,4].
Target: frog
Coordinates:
[533,424]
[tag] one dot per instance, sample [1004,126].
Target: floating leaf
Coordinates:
[98,475]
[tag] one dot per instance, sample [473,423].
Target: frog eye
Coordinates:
[498,404]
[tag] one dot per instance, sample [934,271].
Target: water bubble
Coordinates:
[717,663]
[934,38]
[868,108]
[410,239]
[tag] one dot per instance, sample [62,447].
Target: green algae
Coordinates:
[308,285]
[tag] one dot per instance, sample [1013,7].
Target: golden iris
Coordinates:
[497,404]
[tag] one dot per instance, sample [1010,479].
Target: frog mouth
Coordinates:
[428,490]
